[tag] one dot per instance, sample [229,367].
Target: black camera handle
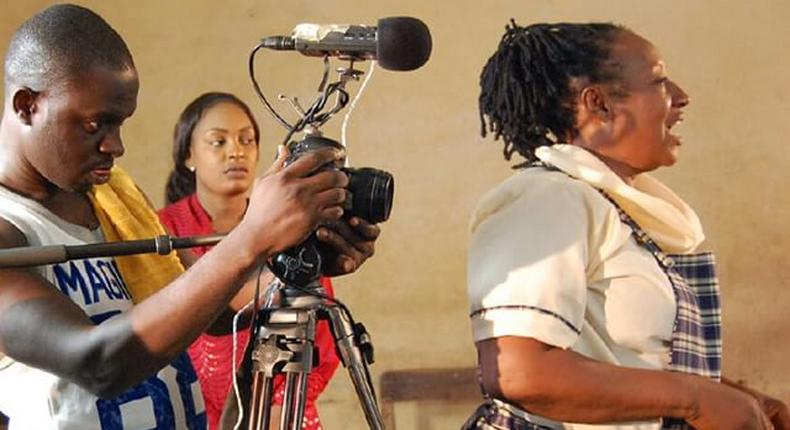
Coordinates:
[27,256]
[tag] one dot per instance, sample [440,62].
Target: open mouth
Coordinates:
[672,125]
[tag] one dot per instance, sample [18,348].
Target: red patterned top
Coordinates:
[211,355]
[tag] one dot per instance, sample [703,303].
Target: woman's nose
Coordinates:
[679,97]
[236,149]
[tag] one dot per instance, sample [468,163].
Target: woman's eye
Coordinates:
[217,142]
[247,141]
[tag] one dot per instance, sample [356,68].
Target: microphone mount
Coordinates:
[315,115]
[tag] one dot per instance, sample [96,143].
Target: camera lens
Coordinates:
[371,193]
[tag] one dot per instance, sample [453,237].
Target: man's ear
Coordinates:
[25,104]
[596,102]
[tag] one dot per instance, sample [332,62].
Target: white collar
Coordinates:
[660,212]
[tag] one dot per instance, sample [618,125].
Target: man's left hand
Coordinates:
[353,242]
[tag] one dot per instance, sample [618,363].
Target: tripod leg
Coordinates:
[296,385]
[288,400]
[352,359]
[294,401]
[261,401]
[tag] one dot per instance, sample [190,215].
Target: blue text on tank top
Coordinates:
[90,282]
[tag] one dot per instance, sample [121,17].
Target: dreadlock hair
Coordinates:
[60,42]
[181,181]
[526,91]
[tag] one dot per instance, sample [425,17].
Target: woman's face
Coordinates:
[223,151]
[638,136]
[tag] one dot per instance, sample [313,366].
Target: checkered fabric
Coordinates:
[696,338]
[696,335]
[497,415]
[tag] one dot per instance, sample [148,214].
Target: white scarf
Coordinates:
[669,221]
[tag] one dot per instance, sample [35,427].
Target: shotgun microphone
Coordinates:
[398,43]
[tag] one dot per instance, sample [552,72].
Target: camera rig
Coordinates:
[283,335]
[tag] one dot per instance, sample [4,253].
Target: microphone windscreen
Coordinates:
[402,43]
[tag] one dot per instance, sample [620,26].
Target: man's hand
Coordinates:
[351,242]
[288,203]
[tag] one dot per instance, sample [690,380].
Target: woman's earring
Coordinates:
[191,168]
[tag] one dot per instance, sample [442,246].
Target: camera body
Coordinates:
[370,194]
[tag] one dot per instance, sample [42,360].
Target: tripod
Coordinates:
[284,336]
[283,342]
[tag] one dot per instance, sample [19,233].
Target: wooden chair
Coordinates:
[455,384]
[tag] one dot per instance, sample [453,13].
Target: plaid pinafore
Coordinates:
[696,336]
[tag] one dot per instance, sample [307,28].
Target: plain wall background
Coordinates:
[423,127]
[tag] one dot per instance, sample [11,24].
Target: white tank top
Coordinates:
[34,399]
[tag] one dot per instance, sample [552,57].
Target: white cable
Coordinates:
[351,108]
[233,363]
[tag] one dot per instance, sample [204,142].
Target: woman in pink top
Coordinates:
[215,152]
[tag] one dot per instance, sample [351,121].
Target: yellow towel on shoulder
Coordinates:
[125,214]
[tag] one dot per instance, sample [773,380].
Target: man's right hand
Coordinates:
[289,203]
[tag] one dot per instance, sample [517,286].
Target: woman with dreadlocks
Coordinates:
[589,306]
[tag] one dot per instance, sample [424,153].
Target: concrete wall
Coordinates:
[423,127]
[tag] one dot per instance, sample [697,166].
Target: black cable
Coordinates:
[251,68]
[313,115]
[255,306]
